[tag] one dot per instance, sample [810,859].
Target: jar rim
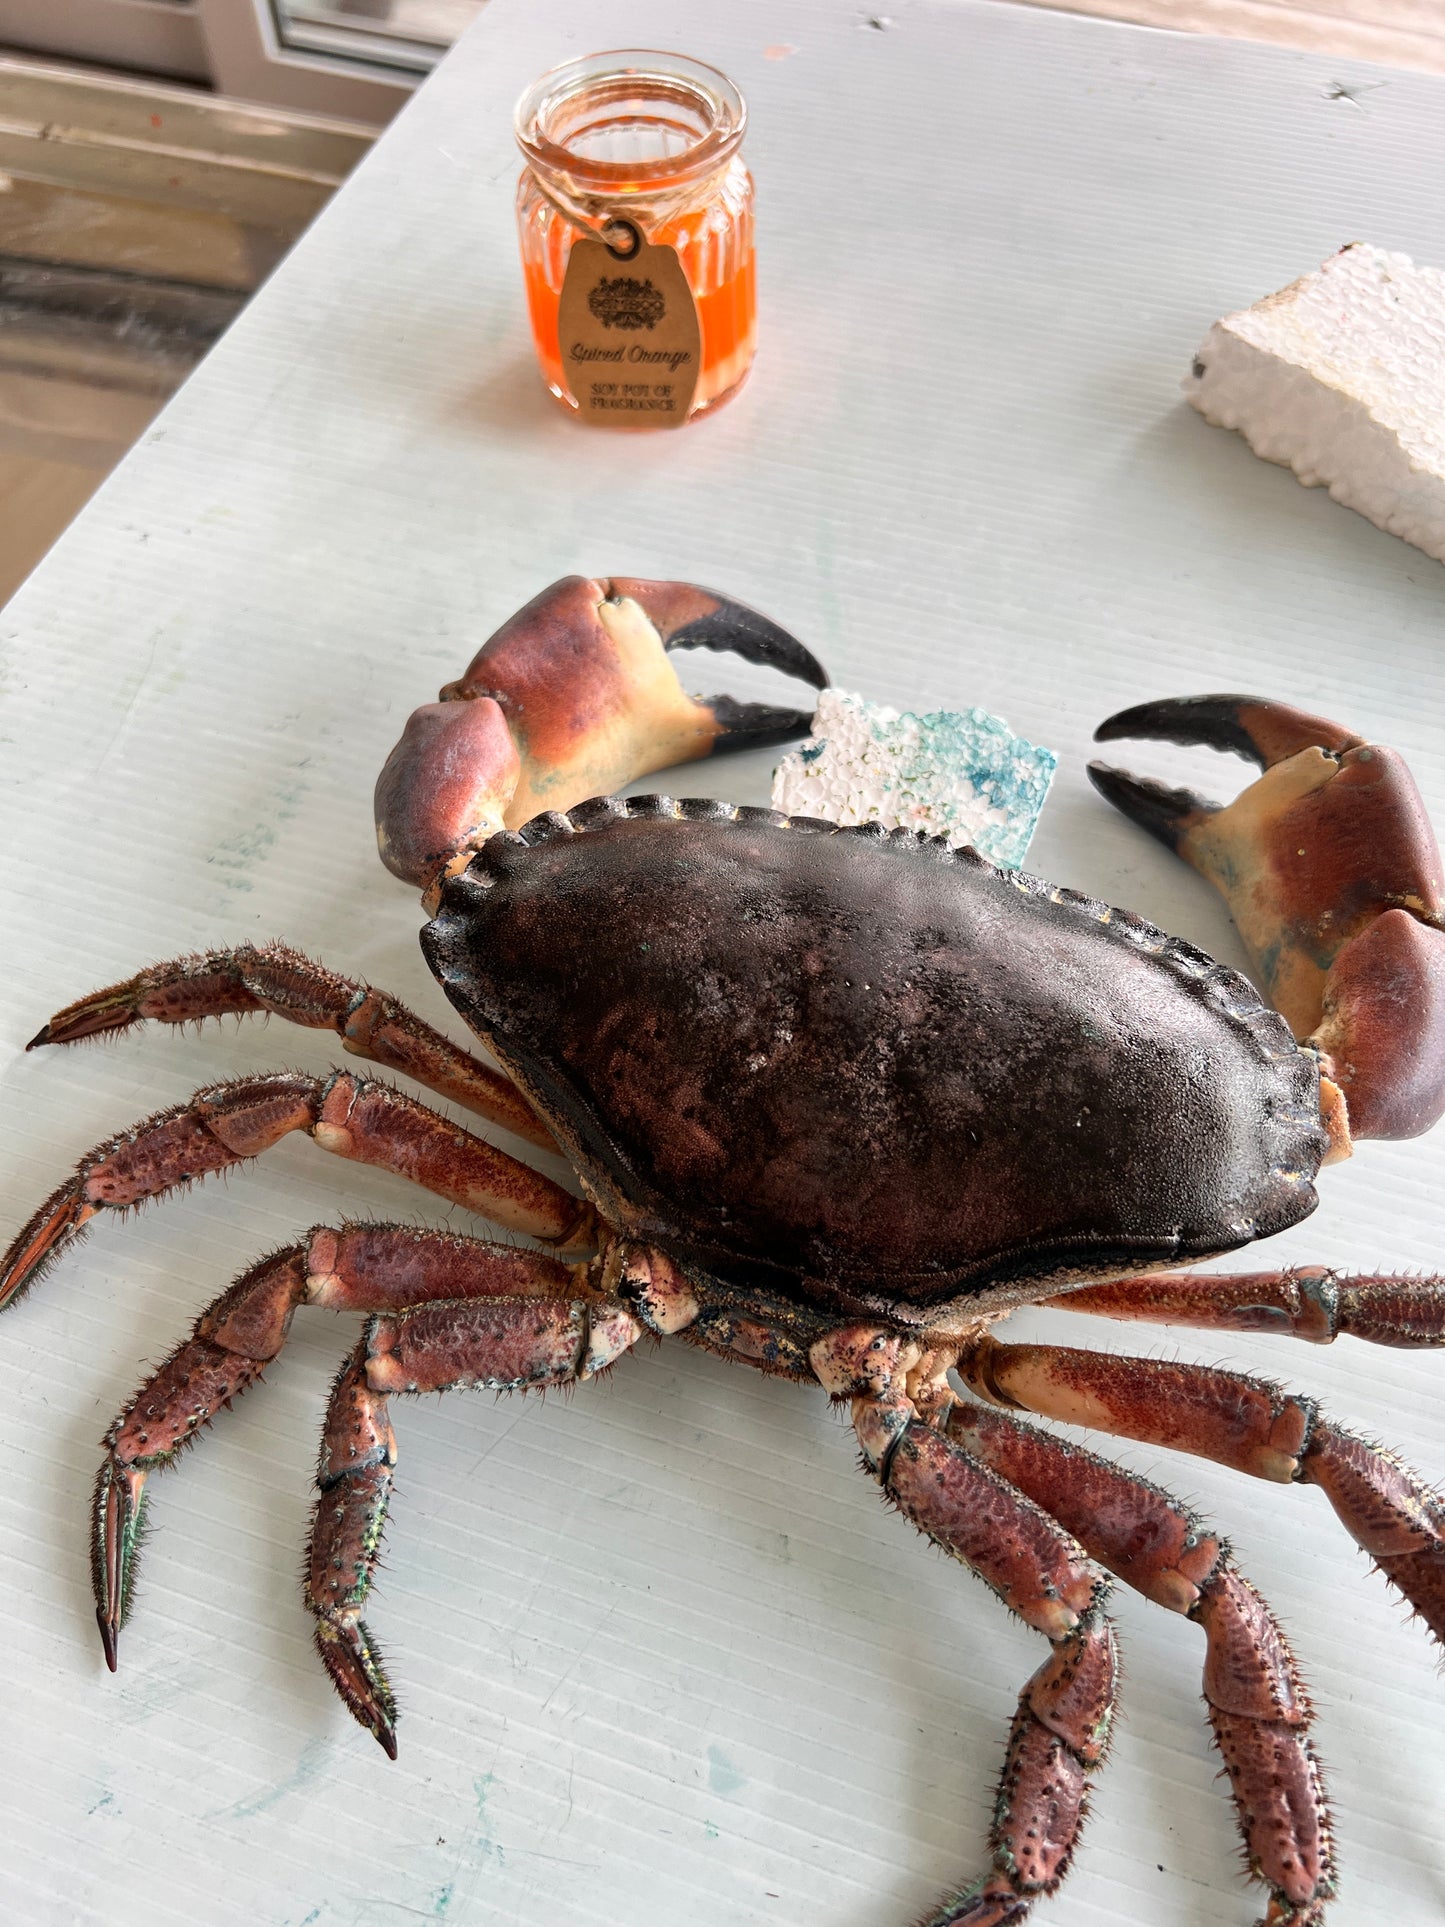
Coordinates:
[620,73]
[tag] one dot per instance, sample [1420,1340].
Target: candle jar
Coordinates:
[635,213]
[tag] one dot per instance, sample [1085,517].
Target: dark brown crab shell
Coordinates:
[863,1070]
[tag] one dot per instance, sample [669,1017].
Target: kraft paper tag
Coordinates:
[629,334]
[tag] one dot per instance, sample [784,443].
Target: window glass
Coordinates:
[411,34]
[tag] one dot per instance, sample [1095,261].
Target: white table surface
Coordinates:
[663,1656]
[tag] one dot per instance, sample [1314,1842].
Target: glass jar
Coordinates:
[639,151]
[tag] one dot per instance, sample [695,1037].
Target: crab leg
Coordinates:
[1307,1302]
[1332,872]
[351,1116]
[1061,1730]
[573,697]
[1243,1422]
[272,978]
[503,1344]
[1257,1706]
[361,1267]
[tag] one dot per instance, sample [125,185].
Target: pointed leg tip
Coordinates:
[117,1524]
[355,1669]
[42,1036]
[15,1276]
[109,1638]
[41,1240]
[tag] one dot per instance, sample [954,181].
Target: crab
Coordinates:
[838,1101]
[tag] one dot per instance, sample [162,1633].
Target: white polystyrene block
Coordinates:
[959,774]
[1341,377]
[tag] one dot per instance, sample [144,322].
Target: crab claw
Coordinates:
[583,678]
[1332,871]
[574,697]
[445,788]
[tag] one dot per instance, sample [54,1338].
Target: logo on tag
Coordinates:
[626,303]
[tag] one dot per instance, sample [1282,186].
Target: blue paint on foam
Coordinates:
[961,773]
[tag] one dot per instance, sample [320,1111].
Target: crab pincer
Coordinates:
[1333,874]
[574,697]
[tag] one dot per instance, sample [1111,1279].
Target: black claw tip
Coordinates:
[1163,812]
[1263,732]
[1213,720]
[756,638]
[386,1740]
[107,1638]
[754,725]
[42,1036]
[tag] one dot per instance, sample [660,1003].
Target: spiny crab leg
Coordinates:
[281,982]
[1061,1730]
[353,1117]
[1257,1706]
[365,1267]
[1309,1302]
[1243,1422]
[500,1344]
[1333,874]
[573,697]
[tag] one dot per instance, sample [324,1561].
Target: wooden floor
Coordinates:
[39,498]
[136,221]
[1398,33]
[59,439]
